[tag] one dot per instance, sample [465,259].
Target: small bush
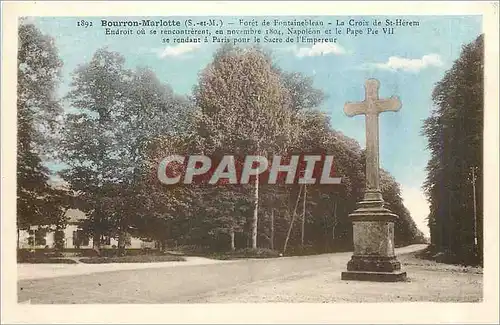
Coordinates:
[302,250]
[247,253]
[55,254]
[260,252]
[194,250]
[143,251]
[88,252]
[108,252]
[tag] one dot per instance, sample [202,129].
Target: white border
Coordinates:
[484,312]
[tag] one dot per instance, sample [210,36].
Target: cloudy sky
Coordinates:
[408,64]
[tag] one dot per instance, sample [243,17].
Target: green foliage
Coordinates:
[38,113]
[302,94]
[244,109]
[405,229]
[242,103]
[107,138]
[455,139]
[91,145]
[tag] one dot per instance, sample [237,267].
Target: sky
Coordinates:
[407,63]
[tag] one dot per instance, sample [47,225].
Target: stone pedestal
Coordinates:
[373,236]
[373,224]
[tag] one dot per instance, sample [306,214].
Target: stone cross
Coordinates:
[374,258]
[371,107]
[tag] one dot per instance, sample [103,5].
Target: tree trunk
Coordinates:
[293,219]
[334,219]
[255,213]
[272,229]
[96,233]
[121,244]
[96,243]
[59,238]
[475,212]
[231,234]
[325,236]
[451,223]
[121,241]
[303,217]
[18,234]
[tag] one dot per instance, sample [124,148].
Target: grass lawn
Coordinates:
[133,259]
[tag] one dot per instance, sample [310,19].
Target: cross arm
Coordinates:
[353,108]
[390,104]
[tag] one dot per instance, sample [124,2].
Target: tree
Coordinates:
[303,94]
[243,108]
[166,210]
[405,229]
[118,114]
[455,139]
[38,113]
[91,144]
[152,111]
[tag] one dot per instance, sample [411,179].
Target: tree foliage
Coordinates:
[455,139]
[117,114]
[92,146]
[243,108]
[38,114]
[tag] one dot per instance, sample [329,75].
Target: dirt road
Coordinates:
[291,279]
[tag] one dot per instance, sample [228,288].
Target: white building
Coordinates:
[73,237]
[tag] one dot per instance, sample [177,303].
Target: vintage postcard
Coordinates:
[249,162]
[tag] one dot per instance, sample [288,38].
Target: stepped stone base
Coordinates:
[373,239]
[374,264]
[395,276]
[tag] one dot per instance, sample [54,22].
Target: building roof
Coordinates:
[75,215]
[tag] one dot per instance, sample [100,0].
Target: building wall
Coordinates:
[23,239]
[135,243]
[69,240]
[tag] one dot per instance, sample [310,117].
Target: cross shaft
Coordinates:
[371,107]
